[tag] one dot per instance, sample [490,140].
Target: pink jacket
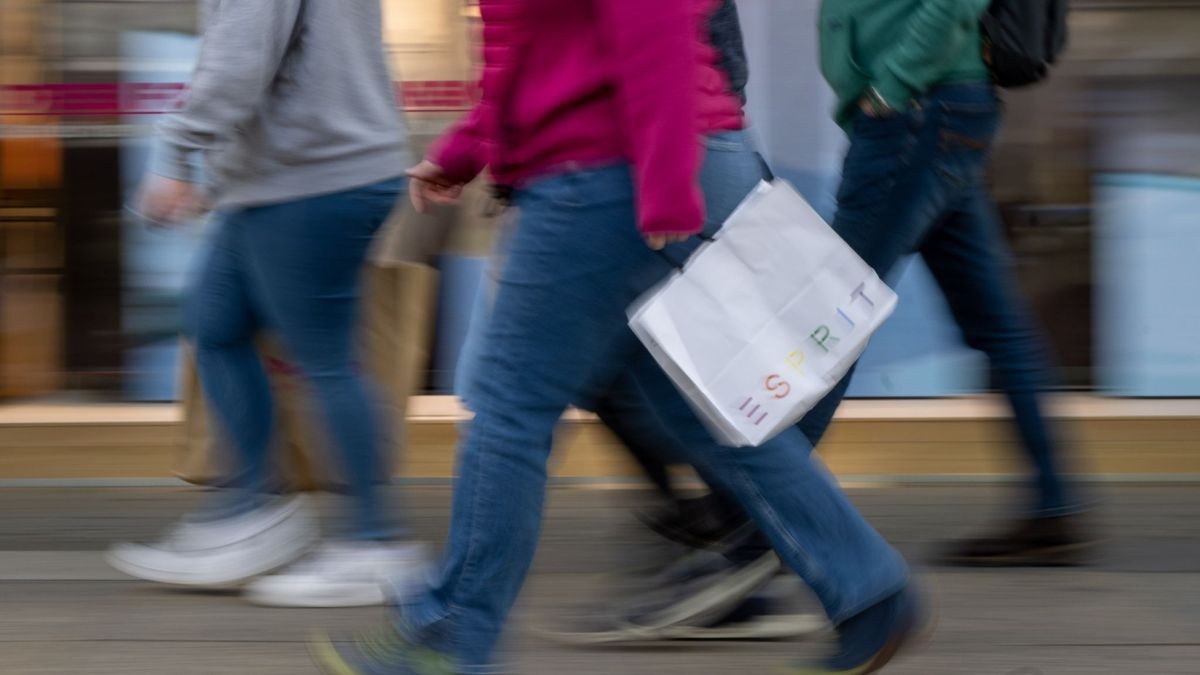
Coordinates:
[586,82]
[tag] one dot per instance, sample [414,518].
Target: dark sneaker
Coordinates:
[872,639]
[701,590]
[381,652]
[756,619]
[1035,542]
[702,522]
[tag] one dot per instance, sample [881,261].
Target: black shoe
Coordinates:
[1035,542]
[701,590]
[701,522]
[871,640]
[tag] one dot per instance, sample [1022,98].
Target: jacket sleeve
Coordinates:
[243,46]
[653,46]
[461,152]
[924,51]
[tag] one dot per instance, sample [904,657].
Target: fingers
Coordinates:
[423,194]
[417,195]
[431,186]
[443,195]
[658,242]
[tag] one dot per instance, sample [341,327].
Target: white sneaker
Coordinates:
[342,574]
[223,553]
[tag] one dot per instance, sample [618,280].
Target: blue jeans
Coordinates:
[574,264]
[294,269]
[914,183]
[732,167]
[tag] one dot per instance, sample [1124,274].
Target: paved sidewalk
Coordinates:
[1137,612]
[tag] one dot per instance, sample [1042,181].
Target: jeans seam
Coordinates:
[481,432]
[742,476]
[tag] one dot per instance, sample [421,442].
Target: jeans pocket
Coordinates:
[880,148]
[965,135]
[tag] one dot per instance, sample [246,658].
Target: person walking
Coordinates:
[593,112]
[292,112]
[915,97]
[711,590]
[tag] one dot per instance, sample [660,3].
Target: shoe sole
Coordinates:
[347,595]
[1072,555]
[624,634]
[721,597]
[768,628]
[233,581]
[272,559]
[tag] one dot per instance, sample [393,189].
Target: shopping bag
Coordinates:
[762,321]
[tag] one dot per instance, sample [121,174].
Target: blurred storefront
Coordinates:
[1096,176]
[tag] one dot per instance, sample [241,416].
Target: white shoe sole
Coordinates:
[778,627]
[265,594]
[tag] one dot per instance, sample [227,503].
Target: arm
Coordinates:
[460,152]
[654,55]
[240,54]
[916,60]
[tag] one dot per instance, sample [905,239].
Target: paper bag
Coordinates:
[764,320]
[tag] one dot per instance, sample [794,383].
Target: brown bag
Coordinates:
[397,321]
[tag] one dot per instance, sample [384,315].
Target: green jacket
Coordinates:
[900,47]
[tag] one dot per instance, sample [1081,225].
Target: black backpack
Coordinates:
[1023,38]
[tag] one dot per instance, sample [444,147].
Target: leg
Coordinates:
[221,321]
[651,447]
[731,169]
[890,195]
[306,265]
[244,533]
[797,504]
[574,251]
[966,255]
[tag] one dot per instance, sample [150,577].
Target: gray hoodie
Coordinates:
[290,98]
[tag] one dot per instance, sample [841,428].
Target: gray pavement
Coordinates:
[1136,612]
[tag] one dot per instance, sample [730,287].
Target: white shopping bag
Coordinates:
[765,319]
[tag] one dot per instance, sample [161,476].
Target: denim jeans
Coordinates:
[574,264]
[294,269]
[914,183]
[731,168]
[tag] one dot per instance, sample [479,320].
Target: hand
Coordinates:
[431,186]
[658,242]
[168,201]
[865,105]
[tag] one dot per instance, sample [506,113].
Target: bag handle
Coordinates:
[705,237]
